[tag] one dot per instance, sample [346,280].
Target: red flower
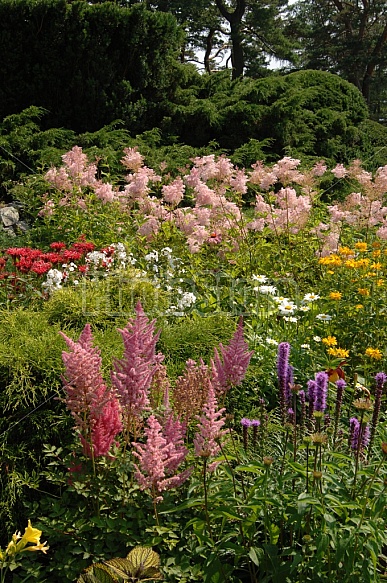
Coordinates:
[72,255]
[83,247]
[57,246]
[40,267]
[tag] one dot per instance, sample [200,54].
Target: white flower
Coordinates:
[271,341]
[305,346]
[304,308]
[287,307]
[323,317]
[290,319]
[186,300]
[166,251]
[280,299]
[76,282]
[311,297]
[317,338]
[152,256]
[267,289]
[259,278]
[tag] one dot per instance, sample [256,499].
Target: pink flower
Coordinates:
[173,193]
[210,432]
[133,374]
[232,365]
[93,406]
[339,171]
[159,459]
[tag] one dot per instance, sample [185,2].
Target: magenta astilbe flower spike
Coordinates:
[158,461]
[133,374]
[232,362]
[93,405]
[210,432]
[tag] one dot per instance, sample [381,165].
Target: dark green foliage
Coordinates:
[308,113]
[86,64]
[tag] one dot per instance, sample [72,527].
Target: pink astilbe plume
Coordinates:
[232,362]
[159,459]
[93,405]
[132,375]
[210,433]
[191,389]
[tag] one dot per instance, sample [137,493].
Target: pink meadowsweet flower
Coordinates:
[92,404]
[173,193]
[158,461]
[132,159]
[133,374]
[210,432]
[339,171]
[232,362]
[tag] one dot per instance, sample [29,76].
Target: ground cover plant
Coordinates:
[220,363]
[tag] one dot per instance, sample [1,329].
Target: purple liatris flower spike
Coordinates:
[321,391]
[283,375]
[158,461]
[133,373]
[210,432]
[359,434]
[246,423]
[232,362]
[380,379]
[93,405]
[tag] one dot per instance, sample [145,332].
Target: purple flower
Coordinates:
[320,399]
[232,362]
[283,375]
[359,434]
[380,379]
[246,422]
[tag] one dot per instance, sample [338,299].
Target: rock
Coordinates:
[9,216]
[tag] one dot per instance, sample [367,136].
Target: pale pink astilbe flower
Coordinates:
[210,433]
[59,178]
[262,176]
[339,171]
[78,169]
[132,375]
[93,405]
[319,168]
[238,181]
[105,192]
[204,195]
[286,171]
[149,228]
[173,193]
[132,160]
[158,461]
[138,183]
[232,362]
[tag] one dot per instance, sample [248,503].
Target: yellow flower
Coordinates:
[380,282]
[361,246]
[330,272]
[363,291]
[362,262]
[346,251]
[350,263]
[329,341]
[335,295]
[330,260]
[39,547]
[376,266]
[31,535]
[374,353]
[338,352]
[359,306]
[376,253]
[376,245]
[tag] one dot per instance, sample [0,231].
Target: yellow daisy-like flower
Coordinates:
[333,260]
[346,251]
[377,253]
[359,306]
[361,246]
[330,272]
[376,266]
[329,341]
[374,353]
[362,262]
[335,295]
[380,282]
[350,263]
[338,352]
[363,291]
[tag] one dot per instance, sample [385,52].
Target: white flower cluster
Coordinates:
[186,300]
[53,281]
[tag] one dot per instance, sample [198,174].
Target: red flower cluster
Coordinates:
[27,260]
